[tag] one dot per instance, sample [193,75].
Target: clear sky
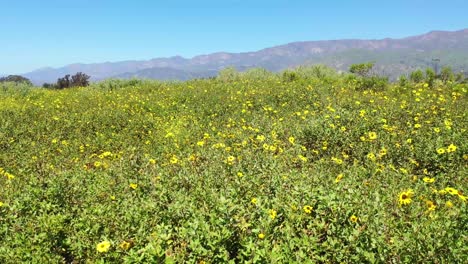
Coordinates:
[39,33]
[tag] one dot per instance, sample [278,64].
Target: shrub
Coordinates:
[16,79]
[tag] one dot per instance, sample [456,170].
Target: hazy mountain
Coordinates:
[161,73]
[392,56]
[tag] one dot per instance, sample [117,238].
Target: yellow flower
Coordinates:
[372,135]
[449,204]
[104,246]
[230,160]
[339,177]
[440,151]
[133,186]
[430,206]
[152,161]
[353,219]
[1,204]
[174,160]
[462,197]
[371,156]
[383,152]
[9,175]
[451,148]
[337,160]
[307,209]
[302,158]
[405,197]
[125,245]
[272,214]
[428,180]
[261,236]
[451,190]
[291,140]
[254,201]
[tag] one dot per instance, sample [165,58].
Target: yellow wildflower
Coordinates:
[272,214]
[307,209]
[451,191]
[125,245]
[430,205]
[451,148]
[339,177]
[353,219]
[104,246]
[174,160]
[405,197]
[372,135]
[428,180]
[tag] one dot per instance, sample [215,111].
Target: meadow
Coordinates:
[243,170]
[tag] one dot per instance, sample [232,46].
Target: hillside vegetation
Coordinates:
[258,169]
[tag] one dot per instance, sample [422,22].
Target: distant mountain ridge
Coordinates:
[393,57]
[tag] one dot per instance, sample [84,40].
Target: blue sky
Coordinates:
[38,33]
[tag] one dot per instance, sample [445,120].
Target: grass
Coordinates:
[251,170]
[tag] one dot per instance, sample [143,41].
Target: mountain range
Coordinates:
[393,57]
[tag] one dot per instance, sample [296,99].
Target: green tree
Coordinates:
[459,77]
[80,79]
[228,74]
[417,76]
[362,69]
[16,79]
[403,80]
[63,82]
[290,76]
[430,76]
[446,74]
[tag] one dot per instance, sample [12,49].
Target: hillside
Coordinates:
[246,171]
[392,56]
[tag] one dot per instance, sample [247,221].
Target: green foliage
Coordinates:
[78,80]
[16,79]
[430,76]
[446,74]
[459,77]
[365,78]
[228,74]
[248,171]
[257,74]
[290,76]
[403,81]
[417,76]
[362,70]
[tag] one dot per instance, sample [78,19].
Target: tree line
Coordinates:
[78,80]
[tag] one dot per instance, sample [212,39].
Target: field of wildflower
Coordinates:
[311,170]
